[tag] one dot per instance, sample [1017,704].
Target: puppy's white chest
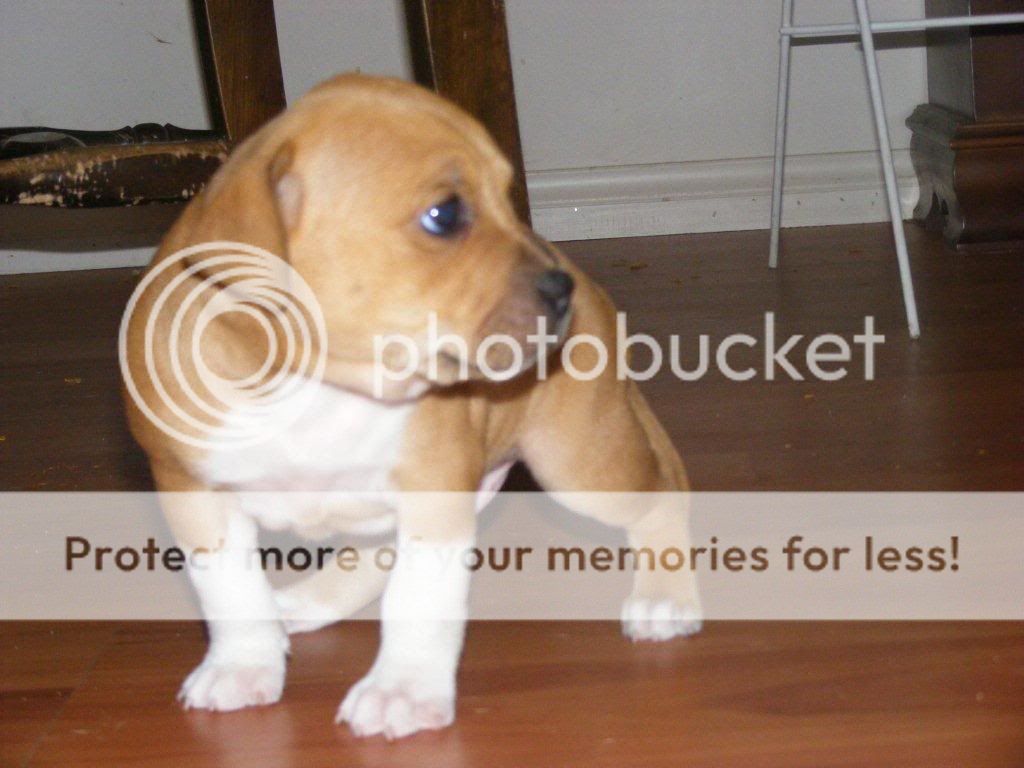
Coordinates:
[320,439]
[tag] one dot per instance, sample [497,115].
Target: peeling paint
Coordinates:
[40,198]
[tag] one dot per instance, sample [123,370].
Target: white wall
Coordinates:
[674,102]
[659,81]
[97,64]
[638,117]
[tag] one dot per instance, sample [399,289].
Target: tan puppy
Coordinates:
[391,206]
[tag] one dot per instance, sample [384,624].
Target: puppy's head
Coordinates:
[394,208]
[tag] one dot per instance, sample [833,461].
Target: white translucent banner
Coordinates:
[934,556]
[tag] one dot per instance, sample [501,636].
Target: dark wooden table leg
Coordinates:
[241,64]
[460,49]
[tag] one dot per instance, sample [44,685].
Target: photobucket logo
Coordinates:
[826,357]
[186,296]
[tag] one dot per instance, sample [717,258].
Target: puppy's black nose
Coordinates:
[555,289]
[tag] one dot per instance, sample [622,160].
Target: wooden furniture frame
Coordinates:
[968,140]
[159,164]
[460,48]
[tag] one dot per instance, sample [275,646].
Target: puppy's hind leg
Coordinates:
[585,443]
[331,594]
[663,604]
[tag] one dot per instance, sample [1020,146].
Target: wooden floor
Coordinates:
[945,413]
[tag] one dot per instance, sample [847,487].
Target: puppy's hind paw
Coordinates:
[646,619]
[225,687]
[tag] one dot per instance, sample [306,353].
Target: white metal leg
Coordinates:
[865,29]
[891,190]
[781,114]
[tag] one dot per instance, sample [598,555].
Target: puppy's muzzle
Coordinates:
[555,287]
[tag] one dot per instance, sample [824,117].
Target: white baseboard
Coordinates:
[631,201]
[714,195]
[22,261]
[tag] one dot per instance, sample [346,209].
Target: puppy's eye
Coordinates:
[445,219]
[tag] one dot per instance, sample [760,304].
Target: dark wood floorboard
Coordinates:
[945,413]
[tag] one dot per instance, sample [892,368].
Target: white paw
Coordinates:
[223,687]
[396,710]
[300,614]
[644,619]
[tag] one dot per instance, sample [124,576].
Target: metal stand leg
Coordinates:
[891,191]
[781,110]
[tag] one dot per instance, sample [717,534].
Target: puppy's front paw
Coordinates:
[646,619]
[397,709]
[223,687]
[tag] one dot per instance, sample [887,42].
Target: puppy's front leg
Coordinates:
[245,662]
[411,686]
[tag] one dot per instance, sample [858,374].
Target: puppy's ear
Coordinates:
[286,186]
[237,208]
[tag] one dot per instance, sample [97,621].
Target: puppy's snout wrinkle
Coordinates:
[555,287]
